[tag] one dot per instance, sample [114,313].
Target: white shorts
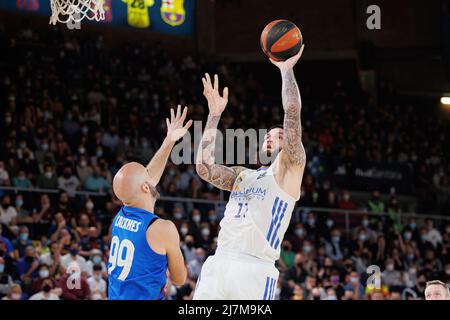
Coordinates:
[236,276]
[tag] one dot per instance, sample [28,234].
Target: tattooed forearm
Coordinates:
[293,147]
[222,177]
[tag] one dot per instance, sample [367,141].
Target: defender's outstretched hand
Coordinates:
[216,103]
[289,63]
[175,128]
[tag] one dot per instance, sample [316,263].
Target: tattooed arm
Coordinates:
[290,164]
[220,176]
[293,150]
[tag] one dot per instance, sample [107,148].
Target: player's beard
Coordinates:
[271,155]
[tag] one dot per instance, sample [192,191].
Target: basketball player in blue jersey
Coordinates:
[261,201]
[143,246]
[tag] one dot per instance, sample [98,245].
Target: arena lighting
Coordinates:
[445,101]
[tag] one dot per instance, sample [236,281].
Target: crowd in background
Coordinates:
[73,112]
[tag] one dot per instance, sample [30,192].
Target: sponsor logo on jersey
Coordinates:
[247,193]
[262,175]
[127,224]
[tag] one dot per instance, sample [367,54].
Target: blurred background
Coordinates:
[77,104]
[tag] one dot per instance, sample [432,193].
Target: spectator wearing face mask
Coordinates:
[5,279]
[311,225]
[195,265]
[22,242]
[333,247]
[213,221]
[178,215]
[423,244]
[375,204]
[196,220]
[52,258]
[8,213]
[294,275]
[27,266]
[188,248]
[68,182]
[330,294]
[421,282]
[46,292]
[21,180]
[390,276]
[15,293]
[352,283]
[410,276]
[44,274]
[97,285]
[47,179]
[83,169]
[296,237]
[73,259]
[184,229]
[23,215]
[287,255]
[96,259]
[205,239]
[345,203]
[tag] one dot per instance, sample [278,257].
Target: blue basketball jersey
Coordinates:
[136,272]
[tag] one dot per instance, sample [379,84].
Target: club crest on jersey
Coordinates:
[248,193]
[172,12]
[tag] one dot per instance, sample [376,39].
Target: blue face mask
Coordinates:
[23,236]
[2,268]
[96,259]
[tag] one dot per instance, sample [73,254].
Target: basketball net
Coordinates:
[68,11]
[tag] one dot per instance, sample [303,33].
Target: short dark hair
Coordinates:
[97,267]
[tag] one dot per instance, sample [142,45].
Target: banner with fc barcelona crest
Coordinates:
[166,16]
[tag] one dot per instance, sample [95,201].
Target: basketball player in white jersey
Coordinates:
[261,201]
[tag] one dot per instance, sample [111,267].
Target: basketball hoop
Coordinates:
[70,11]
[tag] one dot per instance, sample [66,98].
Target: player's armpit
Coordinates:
[220,176]
[175,259]
[289,176]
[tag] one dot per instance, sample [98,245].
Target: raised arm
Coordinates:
[220,176]
[293,151]
[175,131]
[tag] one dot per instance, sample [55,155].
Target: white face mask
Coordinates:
[205,232]
[44,273]
[89,205]
[184,231]
[196,218]
[300,232]
[178,215]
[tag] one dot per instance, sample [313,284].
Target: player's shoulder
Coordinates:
[163,227]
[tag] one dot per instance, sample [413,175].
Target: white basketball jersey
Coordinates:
[257,215]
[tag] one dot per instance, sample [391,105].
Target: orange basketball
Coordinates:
[281,39]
